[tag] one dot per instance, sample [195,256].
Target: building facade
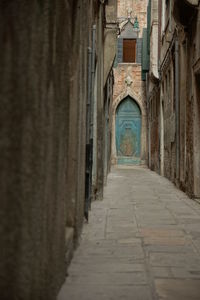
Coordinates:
[55,91]
[129,123]
[173,94]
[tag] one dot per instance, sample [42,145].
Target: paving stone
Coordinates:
[174,289]
[121,228]
[161,232]
[174,259]
[143,221]
[130,241]
[105,266]
[192,227]
[184,273]
[197,243]
[161,272]
[127,278]
[133,251]
[186,249]
[117,235]
[98,292]
[171,241]
[142,242]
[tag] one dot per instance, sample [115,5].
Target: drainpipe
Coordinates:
[89,102]
[93,57]
[88,143]
[148,121]
[93,100]
[89,126]
[177,97]
[93,131]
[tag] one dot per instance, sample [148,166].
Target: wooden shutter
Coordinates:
[119,54]
[120,49]
[129,50]
[139,51]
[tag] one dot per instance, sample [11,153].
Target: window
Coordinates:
[129,50]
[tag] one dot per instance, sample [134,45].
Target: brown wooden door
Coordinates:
[129,51]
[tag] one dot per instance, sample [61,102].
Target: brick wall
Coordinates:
[121,73]
[138,8]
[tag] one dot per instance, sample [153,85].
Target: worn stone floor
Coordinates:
[142,243]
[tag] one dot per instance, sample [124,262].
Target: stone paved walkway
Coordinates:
[142,243]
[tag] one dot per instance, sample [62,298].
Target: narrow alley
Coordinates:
[142,242]
[100,150]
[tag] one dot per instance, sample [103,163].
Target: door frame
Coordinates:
[141,104]
[134,115]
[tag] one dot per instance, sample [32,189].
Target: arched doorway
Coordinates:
[128,132]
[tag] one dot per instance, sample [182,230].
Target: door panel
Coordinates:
[128,132]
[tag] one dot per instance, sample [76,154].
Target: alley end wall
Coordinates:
[127,76]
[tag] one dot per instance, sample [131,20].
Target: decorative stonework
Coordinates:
[129,10]
[128,81]
[136,23]
[134,96]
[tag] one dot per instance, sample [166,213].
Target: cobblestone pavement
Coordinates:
[142,243]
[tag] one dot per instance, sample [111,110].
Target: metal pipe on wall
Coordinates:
[177,97]
[89,124]
[93,135]
[93,105]
[89,94]
[93,64]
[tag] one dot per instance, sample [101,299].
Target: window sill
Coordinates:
[126,63]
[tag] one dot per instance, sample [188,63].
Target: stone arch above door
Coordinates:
[135,97]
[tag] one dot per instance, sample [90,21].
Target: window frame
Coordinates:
[134,40]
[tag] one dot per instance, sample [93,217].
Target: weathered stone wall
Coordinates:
[192,79]
[179,85]
[43,98]
[181,160]
[154,129]
[110,35]
[105,55]
[76,148]
[35,38]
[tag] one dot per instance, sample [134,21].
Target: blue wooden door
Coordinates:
[128,132]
